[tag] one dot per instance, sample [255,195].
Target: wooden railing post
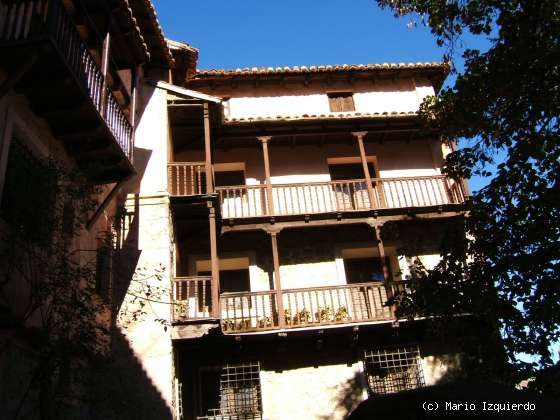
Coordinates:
[215,264]
[277,283]
[264,141]
[208,150]
[360,137]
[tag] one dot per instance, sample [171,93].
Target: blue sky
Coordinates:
[249,33]
[263,33]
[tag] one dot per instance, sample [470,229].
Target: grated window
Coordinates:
[240,393]
[391,370]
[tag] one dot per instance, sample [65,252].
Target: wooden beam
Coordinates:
[215,264]
[264,142]
[333,221]
[208,150]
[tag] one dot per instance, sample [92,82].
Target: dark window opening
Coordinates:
[393,370]
[341,102]
[229,178]
[29,194]
[235,281]
[363,270]
[348,171]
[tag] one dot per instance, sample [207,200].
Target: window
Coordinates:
[349,171]
[29,193]
[229,178]
[232,390]
[363,270]
[341,102]
[391,370]
[351,195]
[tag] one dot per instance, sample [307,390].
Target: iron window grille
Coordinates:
[390,370]
[240,393]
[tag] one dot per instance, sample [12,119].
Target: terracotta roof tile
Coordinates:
[150,11]
[329,116]
[443,66]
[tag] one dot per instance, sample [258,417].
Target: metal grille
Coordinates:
[394,369]
[240,393]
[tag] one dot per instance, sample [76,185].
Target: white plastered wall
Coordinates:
[147,338]
[307,393]
[402,96]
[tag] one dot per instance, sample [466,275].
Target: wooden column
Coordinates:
[105,69]
[360,137]
[135,81]
[383,257]
[277,283]
[208,150]
[215,264]
[264,141]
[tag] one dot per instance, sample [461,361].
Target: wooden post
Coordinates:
[105,70]
[135,81]
[360,137]
[208,150]
[383,257]
[215,264]
[277,283]
[264,141]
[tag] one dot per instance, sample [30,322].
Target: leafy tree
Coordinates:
[504,104]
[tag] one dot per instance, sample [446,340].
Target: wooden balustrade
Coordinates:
[248,311]
[335,304]
[247,201]
[192,298]
[186,178]
[306,307]
[37,20]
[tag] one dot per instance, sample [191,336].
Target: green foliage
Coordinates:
[506,103]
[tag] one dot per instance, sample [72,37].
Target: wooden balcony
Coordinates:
[65,85]
[306,307]
[187,179]
[251,201]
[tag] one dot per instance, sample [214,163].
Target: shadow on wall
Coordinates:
[349,396]
[120,387]
[122,390]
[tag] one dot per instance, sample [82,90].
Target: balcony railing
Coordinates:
[38,20]
[186,178]
[192,298]
[248,201]
[306,307]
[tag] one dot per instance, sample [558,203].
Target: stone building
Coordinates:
[263,217]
